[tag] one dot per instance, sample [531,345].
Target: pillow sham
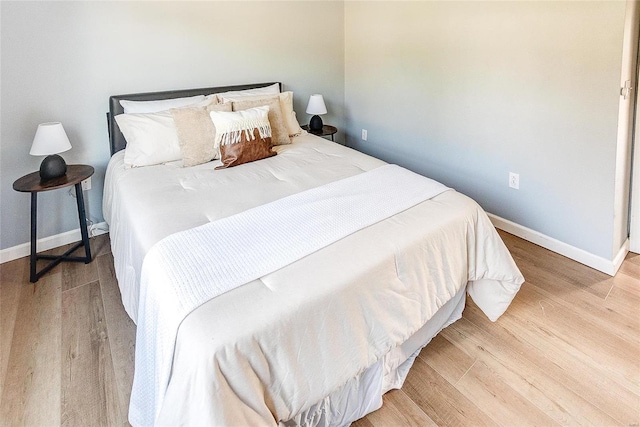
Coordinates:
[273,89]
[146,107]
[151,139]
[286,105]
[244,136]
[286,102]
[196,133]
[279,131]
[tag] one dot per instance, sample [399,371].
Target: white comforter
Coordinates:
[187,269]
[268,350]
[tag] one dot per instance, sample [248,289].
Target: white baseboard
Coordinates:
[50,242]
[583,257]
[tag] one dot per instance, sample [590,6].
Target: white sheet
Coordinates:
[271,349]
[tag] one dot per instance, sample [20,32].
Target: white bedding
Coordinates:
[269,350]
[144,205]
[187,269]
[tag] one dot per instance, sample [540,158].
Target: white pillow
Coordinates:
[145,107]
[273,89]
[151,138]
[286,106]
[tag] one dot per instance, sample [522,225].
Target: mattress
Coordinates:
[274,350]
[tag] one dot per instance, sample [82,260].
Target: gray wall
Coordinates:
[61,61]
[465,92]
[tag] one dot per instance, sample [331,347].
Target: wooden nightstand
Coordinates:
[32,184]
[327,130]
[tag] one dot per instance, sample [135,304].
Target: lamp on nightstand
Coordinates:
[50,140]
[316,106]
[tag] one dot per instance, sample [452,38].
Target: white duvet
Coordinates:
[267,351]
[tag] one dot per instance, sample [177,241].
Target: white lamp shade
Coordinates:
[316,105]
[50,139]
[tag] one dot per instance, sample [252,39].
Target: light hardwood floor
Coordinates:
[566,352]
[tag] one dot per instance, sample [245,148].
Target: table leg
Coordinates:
[83,223]
[34,219]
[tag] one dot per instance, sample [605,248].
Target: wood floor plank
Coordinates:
[399,410]
[544,357]
[31,394]
[440,400]
[9,302]
[364,422]
[632,258]
[585,278]
[446,359]
[16,271]
[586,304]
[629,281]
[622,301]
[100,245]
[121,330]
[612,332]
[77,274]
[489,391]
[89,392]
[526,370]
[589,343]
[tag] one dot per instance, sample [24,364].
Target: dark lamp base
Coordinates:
[53,166]
[315,124]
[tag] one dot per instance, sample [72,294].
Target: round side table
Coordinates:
[327,130]
[32,183]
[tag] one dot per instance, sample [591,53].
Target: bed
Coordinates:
[317,341]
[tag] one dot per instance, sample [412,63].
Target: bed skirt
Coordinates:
[363,394]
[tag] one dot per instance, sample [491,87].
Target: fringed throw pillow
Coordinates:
[286,107]
[243,136]
[279,131]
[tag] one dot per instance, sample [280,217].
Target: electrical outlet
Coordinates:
[86,184]
[364,134]
[514,180]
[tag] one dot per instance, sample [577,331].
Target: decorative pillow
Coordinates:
[244,136]
[146,107]
[151,138]
[196,133]
[279,132]
[286,102]
[273,89]
[286,105]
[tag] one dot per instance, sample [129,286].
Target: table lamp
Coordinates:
[50,140]
[316,106]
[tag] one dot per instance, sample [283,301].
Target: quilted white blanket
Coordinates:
[186,269]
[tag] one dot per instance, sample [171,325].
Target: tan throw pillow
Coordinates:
[286,105]
[243,136]
[196,133]
[279,132]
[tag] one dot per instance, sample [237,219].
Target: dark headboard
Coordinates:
[116,139]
